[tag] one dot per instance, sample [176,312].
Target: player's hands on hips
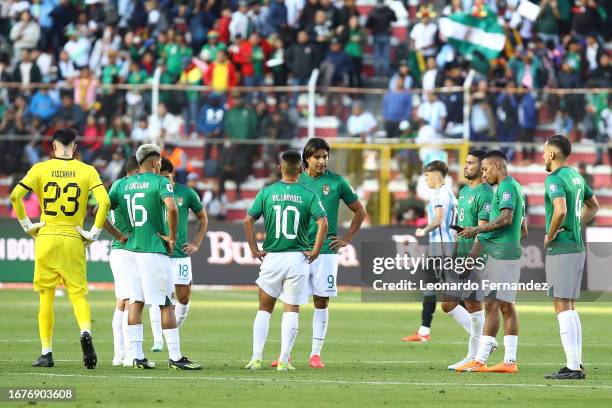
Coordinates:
[89,236]
[259,254]
[31,228]
[549,239]
[311,255]
[420,232]
[190,248]
[123,239]
[338,242]
[168,242]
[468,232]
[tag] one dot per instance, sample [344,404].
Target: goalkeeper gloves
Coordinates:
[89,236]
[31,228]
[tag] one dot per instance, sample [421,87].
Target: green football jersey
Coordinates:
[141,197]
[287,209]
[118,217]
[566,182]
[331,188]
[186,199]
[474,204]
[505,243]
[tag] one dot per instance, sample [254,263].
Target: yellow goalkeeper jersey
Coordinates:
[62,187]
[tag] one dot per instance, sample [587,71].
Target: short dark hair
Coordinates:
[477,153]
[291,160]
[166,165]
[131,164]
[314,144]
[562,143]
[65,136]
[496,153]
[436,165]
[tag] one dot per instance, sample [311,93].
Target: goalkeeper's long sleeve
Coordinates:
[17,200]
[104,204]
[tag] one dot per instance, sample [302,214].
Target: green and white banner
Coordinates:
[469,33]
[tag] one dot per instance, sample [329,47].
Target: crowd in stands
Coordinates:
[83,48]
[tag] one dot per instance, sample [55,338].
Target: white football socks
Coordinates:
[578,335]
[423,331]
[181,311]
[289,329]
[510,346]
[260,333]
[477,320]
[118,343]
[484,348]
[462,317]
[173,342]
[126,337]
[135,332]
[319,329]
[156,328]
[569,338]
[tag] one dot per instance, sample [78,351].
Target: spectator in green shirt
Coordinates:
[355,38]
[116,136]
[209,50]
[236,161]
[176,53]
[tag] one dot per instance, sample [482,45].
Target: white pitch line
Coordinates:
[278,380]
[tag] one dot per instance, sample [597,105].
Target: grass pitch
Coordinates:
[367,365]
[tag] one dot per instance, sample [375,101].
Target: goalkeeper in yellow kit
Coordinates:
[62,185]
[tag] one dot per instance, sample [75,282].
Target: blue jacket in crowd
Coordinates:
[528,114]
[397,106]
[43,106]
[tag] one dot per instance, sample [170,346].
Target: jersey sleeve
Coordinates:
[588,191]
[347,194]
[165,188]
[112,195]
[257,207]
[554,187]
[194,201]
[484,205]
[316,208]
[508,196]
[31,181]
[439,199]
[94,179]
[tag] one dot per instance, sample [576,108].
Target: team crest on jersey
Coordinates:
[326,189]
[179,201]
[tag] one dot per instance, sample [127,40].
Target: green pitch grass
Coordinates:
[367,365]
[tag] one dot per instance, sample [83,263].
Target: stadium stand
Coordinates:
[91,64]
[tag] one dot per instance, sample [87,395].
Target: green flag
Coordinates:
[469,33]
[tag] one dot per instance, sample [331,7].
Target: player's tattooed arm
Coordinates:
[591,206]
[249,230]
[194,246]
[504,219]
[359,214]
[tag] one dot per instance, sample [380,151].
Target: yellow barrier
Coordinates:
[385,166]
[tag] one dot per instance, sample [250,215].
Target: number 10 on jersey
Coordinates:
[282,219]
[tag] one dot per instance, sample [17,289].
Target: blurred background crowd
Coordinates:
[385,71]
